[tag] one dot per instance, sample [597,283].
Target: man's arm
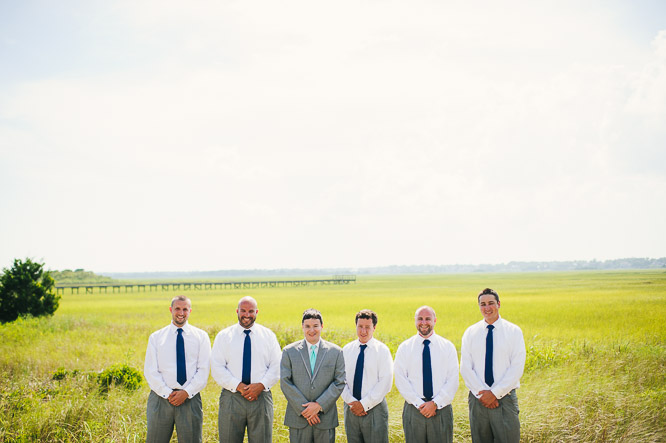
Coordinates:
[218,364]
[272,375]
[200,379]
[471,379]
[401,377]
[295,399]
[328,398]
[384,382]
[511,377]
[151,372]
[445,395]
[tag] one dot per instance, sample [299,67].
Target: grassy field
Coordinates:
[596,359]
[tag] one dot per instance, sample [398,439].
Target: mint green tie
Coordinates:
[313,357]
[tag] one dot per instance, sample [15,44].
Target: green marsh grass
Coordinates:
[596,365]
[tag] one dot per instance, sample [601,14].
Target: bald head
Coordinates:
[247,299]
[425,308]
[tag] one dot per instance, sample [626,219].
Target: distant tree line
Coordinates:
[79,276]
[514,266]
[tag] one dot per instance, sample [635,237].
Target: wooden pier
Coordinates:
[184,286]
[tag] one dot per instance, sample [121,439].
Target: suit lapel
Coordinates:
[305,355]
[323,348]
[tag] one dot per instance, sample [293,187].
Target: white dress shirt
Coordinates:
[160,366]
[377,372]
[508,357]
[227,357]
[408,369]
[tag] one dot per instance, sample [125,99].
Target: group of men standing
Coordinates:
[246,361]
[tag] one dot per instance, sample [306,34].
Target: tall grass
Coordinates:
[596,365]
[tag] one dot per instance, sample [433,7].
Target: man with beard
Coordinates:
[176,369]
[491,364]
[246,363]
[426,374]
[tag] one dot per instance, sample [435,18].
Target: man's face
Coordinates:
[180,312]
[364,329]
[247,313]
[489,308]
[425,322]
[312,328]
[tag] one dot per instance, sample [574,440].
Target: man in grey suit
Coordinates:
[312,377]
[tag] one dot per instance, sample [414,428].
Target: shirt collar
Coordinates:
[241,329]
[497,324]
[309,345]
[185,327]
[369,343]
[433,335]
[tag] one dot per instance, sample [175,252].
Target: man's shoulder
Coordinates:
[263,330]
[349,345]
[408,342]
[479,325]
[331,346]
[197,331]
[226,332]
[161,331]
[443,341]
[294,346]
[379,345]
[511,326]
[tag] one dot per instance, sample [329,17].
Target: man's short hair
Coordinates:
[416,313]
[488,291]
[180,298]
[367,314]
[312,313]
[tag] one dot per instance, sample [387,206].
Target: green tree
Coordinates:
[26,289]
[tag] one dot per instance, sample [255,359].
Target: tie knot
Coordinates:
[313,347]
[491,327]
[426,342]
[180,331]
[247,332]
[363,347]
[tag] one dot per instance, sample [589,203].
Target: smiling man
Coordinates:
[492,362]
[369,369]
[426,374]
[176,369]
[245,362]
[312,377]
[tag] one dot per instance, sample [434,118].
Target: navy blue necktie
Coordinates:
[427,372]
[358,373]
[181,369]
[247,358]
[489,357]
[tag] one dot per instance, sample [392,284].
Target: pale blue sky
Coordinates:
[139,136]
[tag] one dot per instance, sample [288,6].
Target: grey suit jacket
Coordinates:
[300,386]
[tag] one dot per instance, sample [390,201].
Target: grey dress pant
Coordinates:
[499,425]
[371,428]
[419,429]
[310,434]
[162,415]
[236,414]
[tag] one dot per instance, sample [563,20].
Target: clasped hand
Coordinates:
[357,408]
[488,399]
[250,392]
[177,398]
[311,412]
